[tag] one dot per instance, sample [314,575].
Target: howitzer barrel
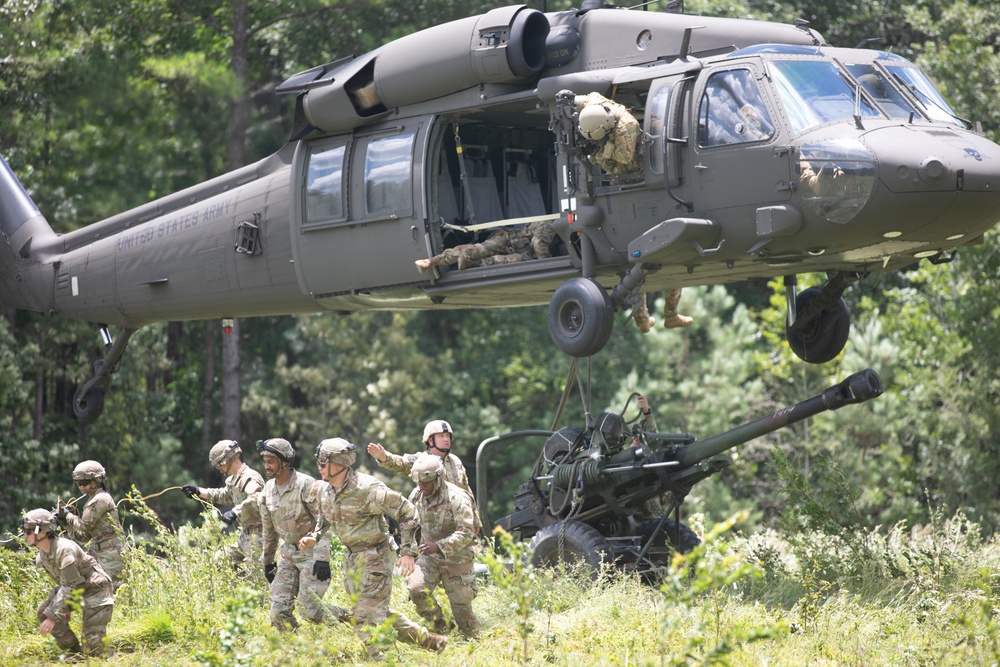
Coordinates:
[857,388]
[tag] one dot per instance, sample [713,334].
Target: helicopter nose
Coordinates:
[941,159]
[939,183]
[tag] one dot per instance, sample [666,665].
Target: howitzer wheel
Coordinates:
[683,540]
[569,543]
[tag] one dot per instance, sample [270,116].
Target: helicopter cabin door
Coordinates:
[356,211]
[737,159]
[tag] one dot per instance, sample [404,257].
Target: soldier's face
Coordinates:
[428,489]
[441,444]
[272,465]
[331,472]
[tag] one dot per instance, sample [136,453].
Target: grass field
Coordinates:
[902,596]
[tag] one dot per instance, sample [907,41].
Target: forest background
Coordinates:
[107,104]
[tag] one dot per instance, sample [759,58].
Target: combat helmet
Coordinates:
[337,450]
[223,452]
[435,427]
[597,121]
[38,521]
[427,468]
[277,446]
[88,470]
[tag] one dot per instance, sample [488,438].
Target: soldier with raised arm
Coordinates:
[437,436]
[355,506]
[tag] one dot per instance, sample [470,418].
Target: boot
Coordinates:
[676,321]
[642,319]
[434,642]
[423,265]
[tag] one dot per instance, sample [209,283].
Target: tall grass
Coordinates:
[902,596]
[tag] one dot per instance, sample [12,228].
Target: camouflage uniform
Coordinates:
[504,246]
[288,512]
[241,491]
[72,570]
[99,525]
[446,518]
[454,472]
[355,513]
[671,318]
[618,152]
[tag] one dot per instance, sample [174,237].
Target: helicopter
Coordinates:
[760,151]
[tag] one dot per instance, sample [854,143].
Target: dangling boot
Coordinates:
[642,319]
[466,263]
[674,320]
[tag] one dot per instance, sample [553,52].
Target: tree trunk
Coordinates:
[239,112]
[208,386]
[231,389]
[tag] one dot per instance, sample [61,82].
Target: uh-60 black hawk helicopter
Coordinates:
[761,151]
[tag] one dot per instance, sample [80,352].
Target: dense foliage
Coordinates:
[105,105]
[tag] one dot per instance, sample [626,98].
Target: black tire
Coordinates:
[89,406]
[569,543]
[581,317]
[683,541]
[825,338]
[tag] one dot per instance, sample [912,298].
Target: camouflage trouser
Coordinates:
[504,246]
[671,299]
[459,583]
[294,579]
[368,580]
[96,616]
[111,560]
[245,551]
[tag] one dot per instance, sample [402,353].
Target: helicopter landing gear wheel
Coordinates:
[580,317]
[88,406]
[825,337]
[569,544]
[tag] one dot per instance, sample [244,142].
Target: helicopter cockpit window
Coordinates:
[814,92]
[325,184]
[389,174]
[657,127]
[732,111]
[934,106]
[882,91]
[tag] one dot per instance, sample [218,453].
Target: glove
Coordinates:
[229,518]
[321,570]
[190,490]
[61,515]
[269,570]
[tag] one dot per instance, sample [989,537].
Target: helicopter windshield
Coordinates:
[933,105]
[814,92]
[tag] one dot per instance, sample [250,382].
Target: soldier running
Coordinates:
[446,554]
[243,484]
[72,570]
[289,509]
[355,505]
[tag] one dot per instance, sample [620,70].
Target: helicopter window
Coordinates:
[657,127]
[732,111]
[388,174]
[935,107]
[814,92]
[882,91]
[325,184]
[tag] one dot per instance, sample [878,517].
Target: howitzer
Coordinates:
[598,493]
